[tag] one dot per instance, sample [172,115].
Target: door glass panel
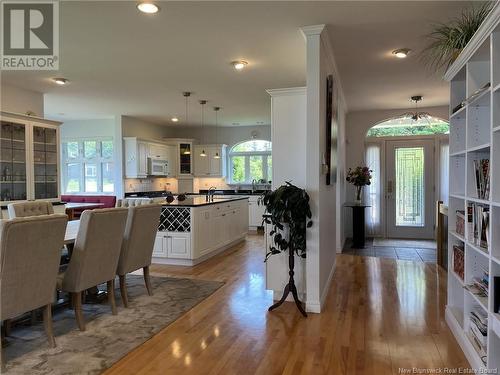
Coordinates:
[45,160]
[410,203]
[12,161]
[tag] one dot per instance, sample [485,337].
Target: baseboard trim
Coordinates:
[194,262]
[324,294]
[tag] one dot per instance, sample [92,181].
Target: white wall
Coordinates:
[322,239]
[229,135]
[100,128]
[17,100]
[289,130]
[134,127]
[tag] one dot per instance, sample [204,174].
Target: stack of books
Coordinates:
[478,221]
[482,174]
[480,285]
[478,330]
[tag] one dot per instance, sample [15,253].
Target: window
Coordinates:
[88,166]
[250,160]
[407,126]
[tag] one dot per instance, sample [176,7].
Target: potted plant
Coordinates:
[359,177]
[448,39]
[288,211]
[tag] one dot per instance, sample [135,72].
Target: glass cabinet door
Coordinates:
[13,185]
[185,158]
[45,162]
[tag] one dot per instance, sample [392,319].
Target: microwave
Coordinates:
[158,167]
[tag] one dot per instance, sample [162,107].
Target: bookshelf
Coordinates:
[475,136]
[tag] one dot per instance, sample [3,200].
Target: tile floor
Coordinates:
[398,251]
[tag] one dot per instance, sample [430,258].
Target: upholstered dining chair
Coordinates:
[132,202]
[95,256]
[25,209]
[137,246]
[30,249]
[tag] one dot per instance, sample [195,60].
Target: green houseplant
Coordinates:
[288,209]
[448,39]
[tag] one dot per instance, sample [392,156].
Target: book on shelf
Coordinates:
[480,285]
[478,221]
[478,330]
[460,222]
[458,260]
[482,178]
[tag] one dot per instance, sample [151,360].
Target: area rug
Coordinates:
[394,242]
[108,337]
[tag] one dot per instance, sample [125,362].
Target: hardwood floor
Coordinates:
[381,315]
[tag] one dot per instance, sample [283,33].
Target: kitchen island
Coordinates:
[195,229]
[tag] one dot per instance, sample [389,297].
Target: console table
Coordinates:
[358,224]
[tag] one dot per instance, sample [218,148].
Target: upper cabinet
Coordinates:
[185,153]
[211,165]
[29,158]
[138,151]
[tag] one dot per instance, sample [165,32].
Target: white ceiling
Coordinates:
[120,61]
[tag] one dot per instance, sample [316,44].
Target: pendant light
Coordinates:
[202,102]
[186,95]
[216,109]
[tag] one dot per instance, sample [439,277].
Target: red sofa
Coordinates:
[108,201]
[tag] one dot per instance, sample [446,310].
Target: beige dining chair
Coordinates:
[137,246]
[25,209]
[30,249]
[132,202]
[95,256]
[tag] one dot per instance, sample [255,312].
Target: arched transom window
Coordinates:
[406,126]
[250,160]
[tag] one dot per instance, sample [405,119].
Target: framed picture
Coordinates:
[332,120]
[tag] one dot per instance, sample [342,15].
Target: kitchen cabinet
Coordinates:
[137,151]
[209,166]
[136,157]
[158,151]
[255,211]
[172,245]
[189,235]
[29,158]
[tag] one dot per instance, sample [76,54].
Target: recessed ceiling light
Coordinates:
[60,81]
[175,119]
[239,65]
[401,53]
[148,8]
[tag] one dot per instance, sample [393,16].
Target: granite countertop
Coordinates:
[200,201]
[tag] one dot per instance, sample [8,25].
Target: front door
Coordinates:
[409,189]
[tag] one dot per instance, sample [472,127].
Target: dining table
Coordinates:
[70,207]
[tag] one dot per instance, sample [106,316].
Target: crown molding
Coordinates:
[312,30]
[287,91]
[484,31]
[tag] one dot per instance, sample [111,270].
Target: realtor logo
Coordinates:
[30,35]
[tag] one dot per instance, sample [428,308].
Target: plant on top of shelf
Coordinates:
[288,205]
[448,39]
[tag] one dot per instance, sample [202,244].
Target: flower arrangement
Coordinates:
[359,177]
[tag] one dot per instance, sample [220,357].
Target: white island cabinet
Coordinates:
[195,230]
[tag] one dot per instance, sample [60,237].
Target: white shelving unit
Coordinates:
[475,134]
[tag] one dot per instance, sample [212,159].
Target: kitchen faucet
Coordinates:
[210,194]
[254,182]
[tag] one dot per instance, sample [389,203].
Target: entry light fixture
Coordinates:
[401,53]
[60,81]
[416,116]
[147,7]
[239,64]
